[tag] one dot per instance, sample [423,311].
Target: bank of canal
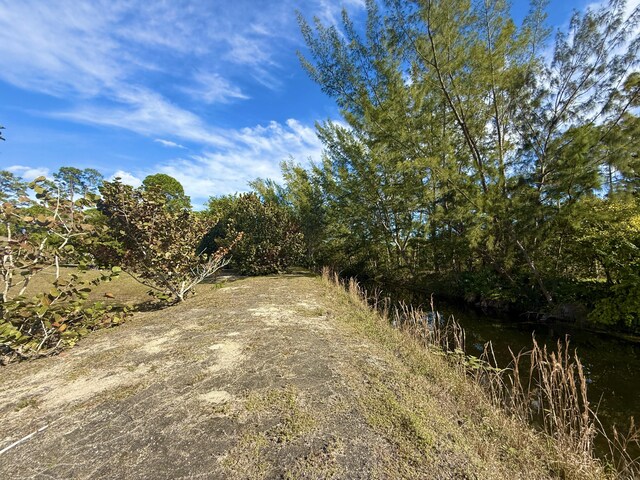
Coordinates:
[611,364]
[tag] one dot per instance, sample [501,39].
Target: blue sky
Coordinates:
[208,91]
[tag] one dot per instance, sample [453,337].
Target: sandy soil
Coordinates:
[194,391]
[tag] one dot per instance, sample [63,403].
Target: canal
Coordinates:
[611,364]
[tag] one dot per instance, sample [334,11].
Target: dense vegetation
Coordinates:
[53,234]
[75,231]
[271,242]
[39,236]
[479,159]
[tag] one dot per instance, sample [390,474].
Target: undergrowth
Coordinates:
[542,387]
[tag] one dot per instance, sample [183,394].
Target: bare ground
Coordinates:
[272,377]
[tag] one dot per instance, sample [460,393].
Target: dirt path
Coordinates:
[259,379]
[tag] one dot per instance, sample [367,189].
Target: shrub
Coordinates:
[31,244]
[621,307]
[271,240]
[160,243]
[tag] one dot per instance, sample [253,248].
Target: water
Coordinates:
[611,365]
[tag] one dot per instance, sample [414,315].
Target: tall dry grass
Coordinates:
[546,388]
[624,447]
[543,387]
[427,326]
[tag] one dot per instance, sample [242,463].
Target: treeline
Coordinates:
[479,158]
[69,233]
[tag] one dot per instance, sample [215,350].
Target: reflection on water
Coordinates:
[612,365]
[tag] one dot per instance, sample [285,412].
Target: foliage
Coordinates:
[107,251]
[271,240]
[171,188]
[11,187]
[607,241]
[73,182]
[470,155]
[302,196]
[608,235]
[622,306]
[57,317]
[160,243]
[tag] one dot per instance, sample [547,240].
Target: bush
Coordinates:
[271,240]
[621,307]
[159,243]
[37,236]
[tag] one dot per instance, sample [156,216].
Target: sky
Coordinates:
[210,92]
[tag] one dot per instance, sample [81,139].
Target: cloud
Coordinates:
[149,67]
[629,7]
[93,48]
[83,47]
[122,62]
[213,88]
[28,173]
[168,143]
[256,152]
[146,112]
[329,11]
[74,52]
[127,178]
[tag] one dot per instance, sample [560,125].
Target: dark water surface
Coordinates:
[612,365]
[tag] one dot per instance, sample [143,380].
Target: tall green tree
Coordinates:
[465,150]
[75,182]
[171,188]
[12,187]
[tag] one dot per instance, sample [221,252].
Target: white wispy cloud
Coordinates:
[128,64]
[329,11]
[256,152]
[71,53]
[92,48]
[105,56]
[168,143]
[28,173]
[213,88]
[148,113]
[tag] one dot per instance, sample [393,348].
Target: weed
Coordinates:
[246,459]
[538,387]
[294,419]
[27,402]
